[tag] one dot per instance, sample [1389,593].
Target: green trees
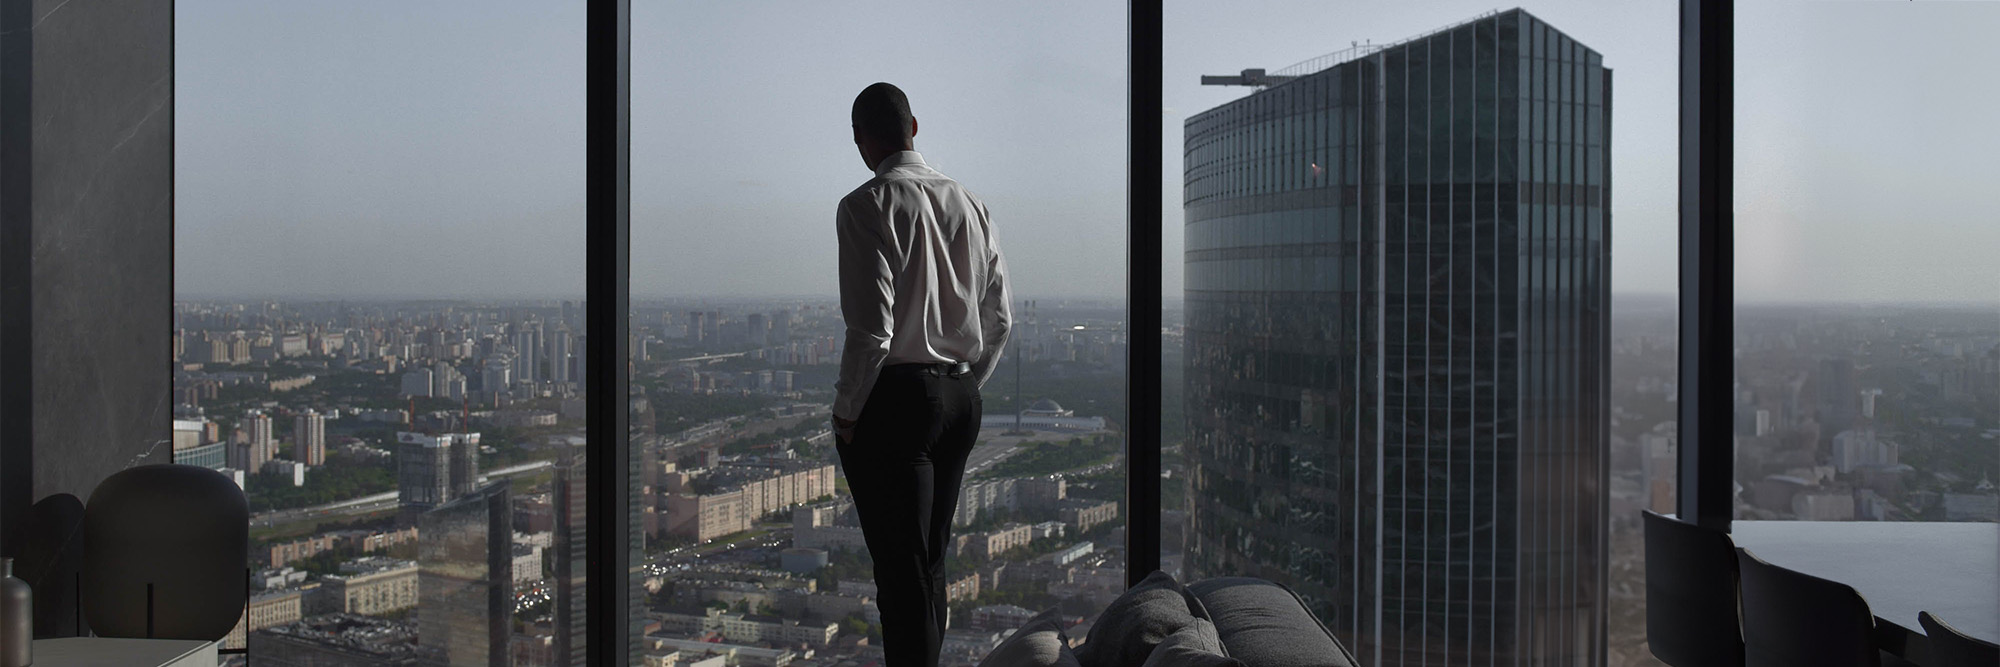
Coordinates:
[342,477]
[1043,458]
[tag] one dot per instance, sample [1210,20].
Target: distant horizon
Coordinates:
[640,299]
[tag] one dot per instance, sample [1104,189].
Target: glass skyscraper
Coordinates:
[465,580]
[1397,344]
[569,553]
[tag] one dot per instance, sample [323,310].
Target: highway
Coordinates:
[989,453]
[368,504]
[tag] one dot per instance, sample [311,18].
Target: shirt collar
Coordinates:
[899,159]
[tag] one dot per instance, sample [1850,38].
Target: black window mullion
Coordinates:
[611,615]
[1142,291]
[1707,271]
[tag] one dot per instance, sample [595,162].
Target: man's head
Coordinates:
[882,123]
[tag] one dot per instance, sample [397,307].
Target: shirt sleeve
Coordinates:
[996,310]
[867,302]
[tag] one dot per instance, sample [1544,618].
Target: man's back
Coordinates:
[921,275]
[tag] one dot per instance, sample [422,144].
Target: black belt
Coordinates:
[938,369]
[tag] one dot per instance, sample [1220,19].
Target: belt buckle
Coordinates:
[960,368]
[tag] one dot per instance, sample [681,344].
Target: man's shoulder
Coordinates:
[884,191]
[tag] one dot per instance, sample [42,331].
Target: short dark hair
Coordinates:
[883,112]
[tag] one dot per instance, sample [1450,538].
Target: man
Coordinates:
[924,292]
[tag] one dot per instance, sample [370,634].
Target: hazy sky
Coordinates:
[386,148]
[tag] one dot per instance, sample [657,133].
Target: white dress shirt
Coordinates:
[921,279]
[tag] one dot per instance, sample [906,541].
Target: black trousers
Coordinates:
[904,467]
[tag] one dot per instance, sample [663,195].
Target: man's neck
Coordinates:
[876,164]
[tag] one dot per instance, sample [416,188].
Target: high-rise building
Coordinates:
[527,350]
[641,438]
[465,576]
[464,448]
[567,555]
[431,470]
[309,438]
[447,382]
[417,382]
[781,327]
[559,352]
[697,326]
[192,445]
[263,441]
[497,376]
[760,330]
[1397,274]
[1838,396]
[423,473]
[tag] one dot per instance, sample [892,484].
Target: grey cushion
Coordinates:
[1196,645]
[1128,629]
[1038,643]
[1263,623]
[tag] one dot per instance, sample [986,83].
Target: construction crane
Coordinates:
[1248,77]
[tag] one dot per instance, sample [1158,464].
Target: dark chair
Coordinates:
[1691,603]
[165,550]
[1951,648]
[1793,619]
[52,563]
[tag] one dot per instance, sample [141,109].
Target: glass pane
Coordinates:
[1433,424]
[378,319]
[743,151]
[1866,312]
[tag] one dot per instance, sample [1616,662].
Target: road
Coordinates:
[988,453]
[368,504]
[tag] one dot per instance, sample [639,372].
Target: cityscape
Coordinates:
[751,546]
[1401,383]
[415,474]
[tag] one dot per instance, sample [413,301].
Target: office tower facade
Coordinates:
[432,470]
[465,580]
[464,449]
[1397,299]
[423,473]
[498,375]
[447,382]
[309,438]
[641,440]
[527,351]
[759,329]
[781,327]
[697,326]
[559,343]
[263,441]
[567,554]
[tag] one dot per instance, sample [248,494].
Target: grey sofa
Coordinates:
[1219,622]
[1262,623]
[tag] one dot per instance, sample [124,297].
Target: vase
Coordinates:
[17,619]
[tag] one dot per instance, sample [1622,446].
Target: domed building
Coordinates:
[1043,415]
[1046,408]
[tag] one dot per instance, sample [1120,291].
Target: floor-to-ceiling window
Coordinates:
[1867,331]
[741,150]
[1421,364]
[378,319]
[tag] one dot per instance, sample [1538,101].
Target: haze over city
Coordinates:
[326,166]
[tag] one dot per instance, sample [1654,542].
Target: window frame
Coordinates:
[1706,300]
